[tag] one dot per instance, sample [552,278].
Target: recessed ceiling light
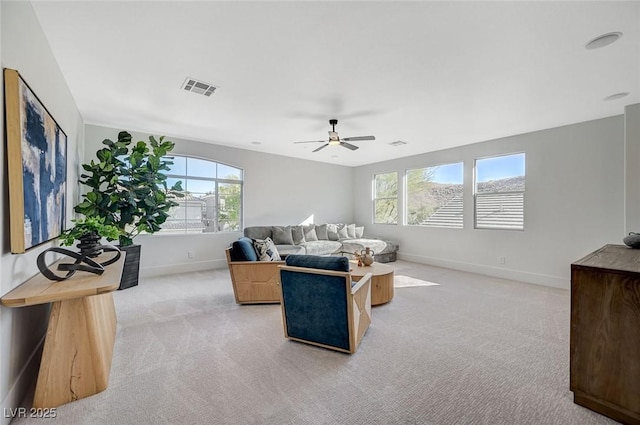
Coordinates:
[617,96]
[603,40]
[256,143]
[334,156]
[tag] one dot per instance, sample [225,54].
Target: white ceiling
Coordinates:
[432,74]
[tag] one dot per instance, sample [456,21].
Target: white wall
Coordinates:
[277,191]
[573,204]
[24,47]
[632,167]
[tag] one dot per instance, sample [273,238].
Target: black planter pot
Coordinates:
[131,270]
[89,245]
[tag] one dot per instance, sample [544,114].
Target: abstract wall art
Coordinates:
[37,167]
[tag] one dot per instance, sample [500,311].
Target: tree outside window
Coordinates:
[211,200]
[435,196]
[385,203]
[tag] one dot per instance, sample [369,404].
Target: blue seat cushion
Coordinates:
[339,264]
[243,250]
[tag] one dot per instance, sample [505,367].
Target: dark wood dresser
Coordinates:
[605,332]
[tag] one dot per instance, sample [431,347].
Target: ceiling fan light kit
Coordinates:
[334,139]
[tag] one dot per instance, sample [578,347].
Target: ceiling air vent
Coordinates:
[200,87]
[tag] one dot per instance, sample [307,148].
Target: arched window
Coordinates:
[211,199]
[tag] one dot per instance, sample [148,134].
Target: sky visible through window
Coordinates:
[448,174]
[194,168]
[499,167]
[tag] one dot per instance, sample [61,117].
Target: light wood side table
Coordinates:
[381,281]
[79,342]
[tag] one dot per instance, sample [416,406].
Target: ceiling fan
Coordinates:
[334,139]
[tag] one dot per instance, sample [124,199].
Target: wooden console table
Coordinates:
[82,327]
[605,332]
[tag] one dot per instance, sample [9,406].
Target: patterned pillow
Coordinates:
[359,231]
[266,250]
[342,231]
[351,231]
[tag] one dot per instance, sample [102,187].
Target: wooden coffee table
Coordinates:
[381,281]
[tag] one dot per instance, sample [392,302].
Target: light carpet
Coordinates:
[401,281]
[471,350]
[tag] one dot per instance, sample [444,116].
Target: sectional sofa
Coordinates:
[323,239]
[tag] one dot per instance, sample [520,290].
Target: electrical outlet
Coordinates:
[190,254]
[503,260]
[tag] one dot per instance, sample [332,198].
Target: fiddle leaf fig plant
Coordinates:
[128,186]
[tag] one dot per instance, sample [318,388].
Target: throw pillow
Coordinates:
[359,231]
[266,250]
[322,232]
[339,264]
[332,232]
[310,233]
[243,250]
[282,235]
[297,232]
[351,231]
[342,231]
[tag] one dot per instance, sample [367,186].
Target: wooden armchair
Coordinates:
[254,282]
[321,305]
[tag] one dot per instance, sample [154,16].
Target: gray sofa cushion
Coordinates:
[297,233]
[359,231]
[310,233]
[351,231]
[282,235]
[342,231]
[332,232]
[321,247]
[321,231]
[258,232]
[290,249]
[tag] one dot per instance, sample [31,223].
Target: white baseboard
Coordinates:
[538,279]
[25,380]
[193,266]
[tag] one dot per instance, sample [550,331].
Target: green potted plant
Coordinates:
[128,189]
[88,231]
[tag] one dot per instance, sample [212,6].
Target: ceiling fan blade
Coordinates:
[359,138]
[321,147]
[348,145]
[313,141]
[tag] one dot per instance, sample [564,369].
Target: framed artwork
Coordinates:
[37,167]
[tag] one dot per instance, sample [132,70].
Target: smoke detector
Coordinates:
[200,87]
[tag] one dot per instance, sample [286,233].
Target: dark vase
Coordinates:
[89,245]
[632,240]
[131,269]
